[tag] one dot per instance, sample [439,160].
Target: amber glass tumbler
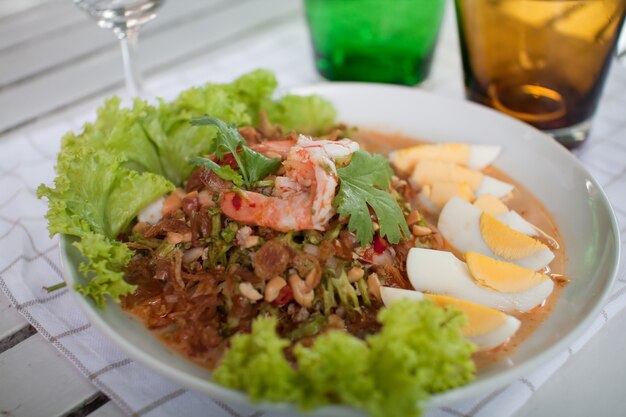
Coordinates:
[541,61]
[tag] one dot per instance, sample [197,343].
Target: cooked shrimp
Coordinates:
[280,148]
[302,199]
[274,148]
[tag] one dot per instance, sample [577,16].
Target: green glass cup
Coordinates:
[386,41]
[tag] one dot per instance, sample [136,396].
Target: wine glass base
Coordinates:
[573,136]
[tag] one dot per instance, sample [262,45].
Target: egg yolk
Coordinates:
[405,159]
[506,242]
[501,276]
[491,204]
[481,319]
[430,172]
[440,192]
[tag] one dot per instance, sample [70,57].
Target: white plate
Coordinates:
[551,173]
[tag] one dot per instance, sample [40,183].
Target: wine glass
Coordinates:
[125,17]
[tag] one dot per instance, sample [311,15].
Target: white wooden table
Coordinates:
[53,60]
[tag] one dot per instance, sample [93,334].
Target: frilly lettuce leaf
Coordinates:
[334,369]
[177,141]
[310,115]
[95,198]
[256,364]
[95,192]
[119,131]
[419,351]
[238,102]
[103,270]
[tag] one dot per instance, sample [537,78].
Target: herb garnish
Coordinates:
[253,166]
[55,287]
[225,172]
[364,184]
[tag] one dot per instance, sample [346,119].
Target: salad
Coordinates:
[259,238]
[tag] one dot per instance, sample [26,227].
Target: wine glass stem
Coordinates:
[128,41]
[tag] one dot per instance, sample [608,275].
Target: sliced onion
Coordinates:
[192,254]
[311,249]
[384,258]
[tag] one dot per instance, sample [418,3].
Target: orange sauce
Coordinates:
[522,201]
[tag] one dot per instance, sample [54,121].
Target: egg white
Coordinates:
[498,336]
[482,155]
[390,294]
[515,221]
[493,186]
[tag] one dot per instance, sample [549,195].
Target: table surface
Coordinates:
[53,58]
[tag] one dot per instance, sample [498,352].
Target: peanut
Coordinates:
[302,293]
[413,217]
[248,291]
[355,274]
[313,278]
[373,285]
[273,287]
[421,230]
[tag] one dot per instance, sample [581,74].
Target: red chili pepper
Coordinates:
[284,296]
[237,201]
[230,160]
[380,244]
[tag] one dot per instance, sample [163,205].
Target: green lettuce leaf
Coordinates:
[96,192]
[311,115]
[255,362]
[103,268]
[95,198]
[335,369]
[419,351]
[131,193]
[177,141]
[120,131]
[238,102]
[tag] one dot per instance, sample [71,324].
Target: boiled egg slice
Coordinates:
[431,172]
[153,212]
[434,196]
[489,282]
[486,327]
[469,229]
[494,206]
[472,156]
